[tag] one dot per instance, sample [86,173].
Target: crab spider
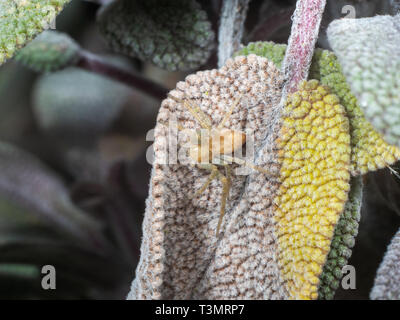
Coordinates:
[213,148]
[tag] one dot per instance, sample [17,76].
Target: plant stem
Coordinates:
[304,34]
[96,64]
[233,15]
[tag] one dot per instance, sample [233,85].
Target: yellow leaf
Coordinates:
[309,202]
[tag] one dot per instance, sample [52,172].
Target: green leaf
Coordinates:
[77,105]
[49,51]
[368,50]
[172,34]
[326,68]
[22,20]
[343,241]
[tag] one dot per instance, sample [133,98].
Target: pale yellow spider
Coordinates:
[216,150]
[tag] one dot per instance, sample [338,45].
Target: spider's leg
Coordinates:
[211,177]
[228,173]
[196,112]
[196,108]
[226,186]
[229,112]
[244,163]
[175,123]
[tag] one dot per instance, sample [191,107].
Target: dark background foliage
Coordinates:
[105,172]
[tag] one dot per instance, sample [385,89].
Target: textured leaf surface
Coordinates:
[49,51]
[369,151]
[172,34]
[278,229]
[343,241]
[180,255]
[387,281]
[314,149]
[359,9]
[22,20]
[369,52]
[272,51]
